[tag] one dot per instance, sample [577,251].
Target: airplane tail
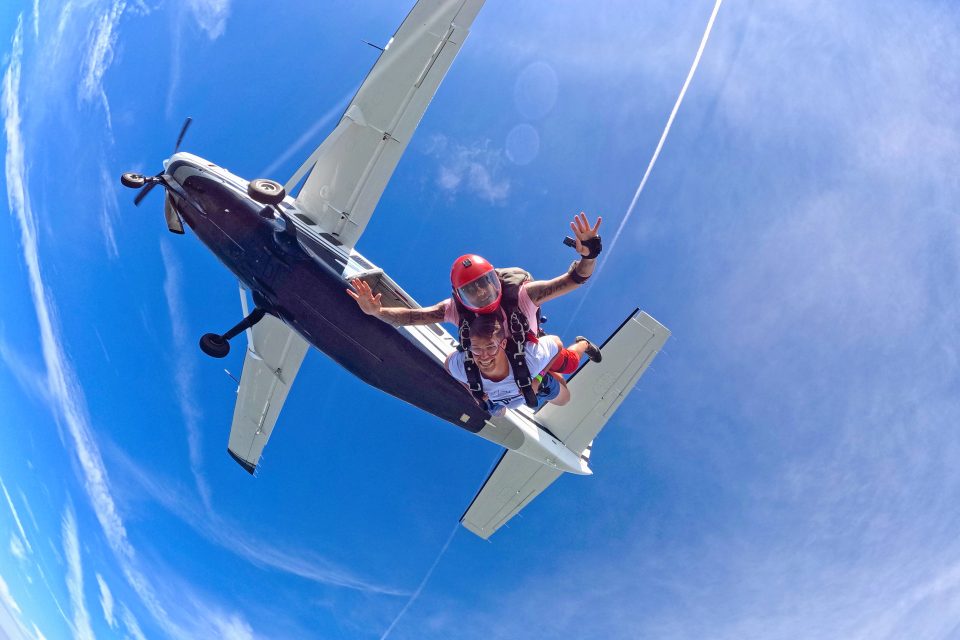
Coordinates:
[596,390]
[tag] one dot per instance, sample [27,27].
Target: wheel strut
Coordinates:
[218,346]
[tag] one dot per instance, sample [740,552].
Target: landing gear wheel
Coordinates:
[132,180]
[214,345]
[266,191]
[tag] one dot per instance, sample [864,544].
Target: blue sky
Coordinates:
[788,469]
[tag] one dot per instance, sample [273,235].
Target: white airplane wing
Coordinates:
[596,390]
[514,482]
[350,169]
[274,355]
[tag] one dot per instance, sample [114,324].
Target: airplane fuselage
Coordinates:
[301,276]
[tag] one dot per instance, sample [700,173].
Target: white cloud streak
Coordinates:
[17,549]
[5,596]
[99,57]
[12,626]
[310,134]
[32,382]
[26,505]
[65,394]
[211,15]
[16,517]
[423,583]
[109,211]
[184,370]
[131,624]
[71,552]
[653,159]
[106,602]
[229,536]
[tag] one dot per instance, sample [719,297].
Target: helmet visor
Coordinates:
[480,292]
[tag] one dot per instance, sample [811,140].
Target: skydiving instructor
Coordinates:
[532,294]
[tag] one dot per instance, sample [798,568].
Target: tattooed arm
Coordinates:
[397,316]
[542,291]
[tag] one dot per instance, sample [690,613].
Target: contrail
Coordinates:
[423,583]
[656,153]
[310,134]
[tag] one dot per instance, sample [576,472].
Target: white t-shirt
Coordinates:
[524,303]
[505,393]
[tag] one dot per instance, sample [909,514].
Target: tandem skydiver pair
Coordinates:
[504,357]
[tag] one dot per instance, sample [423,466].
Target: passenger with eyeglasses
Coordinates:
[487,351]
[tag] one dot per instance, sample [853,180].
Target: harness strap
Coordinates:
[474,381]
[517,357]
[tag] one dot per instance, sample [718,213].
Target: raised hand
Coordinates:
[582,231]
[369,303]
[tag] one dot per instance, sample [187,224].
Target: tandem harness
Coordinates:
[519,332]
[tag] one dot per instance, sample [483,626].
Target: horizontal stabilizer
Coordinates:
[272,360]
[598,388]
[515,481]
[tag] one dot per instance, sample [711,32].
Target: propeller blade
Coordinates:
[146,189]
[183,132]
[143,193]
[173,218]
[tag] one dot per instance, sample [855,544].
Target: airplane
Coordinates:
[295,255]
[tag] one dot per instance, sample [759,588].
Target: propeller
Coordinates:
[147,188]
[158,179]
[183,132]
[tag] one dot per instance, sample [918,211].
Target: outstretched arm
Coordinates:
[397,316]
[542,291]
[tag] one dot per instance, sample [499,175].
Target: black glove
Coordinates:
[593,245]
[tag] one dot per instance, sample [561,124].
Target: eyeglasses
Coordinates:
[487,350]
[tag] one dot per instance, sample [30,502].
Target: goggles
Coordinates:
[480,292]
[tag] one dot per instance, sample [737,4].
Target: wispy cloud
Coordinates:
[25,542]
[109,210]
[211,16]
[65,394]
[12,625]
[175,64]
[32,381]
[71,551]
[99,57]
[185,369]
[17,549]
[5,596]
[476,169]
[26,505]
[130,622]
[106,602]
[230,536]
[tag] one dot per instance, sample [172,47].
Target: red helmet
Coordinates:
[475,284]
